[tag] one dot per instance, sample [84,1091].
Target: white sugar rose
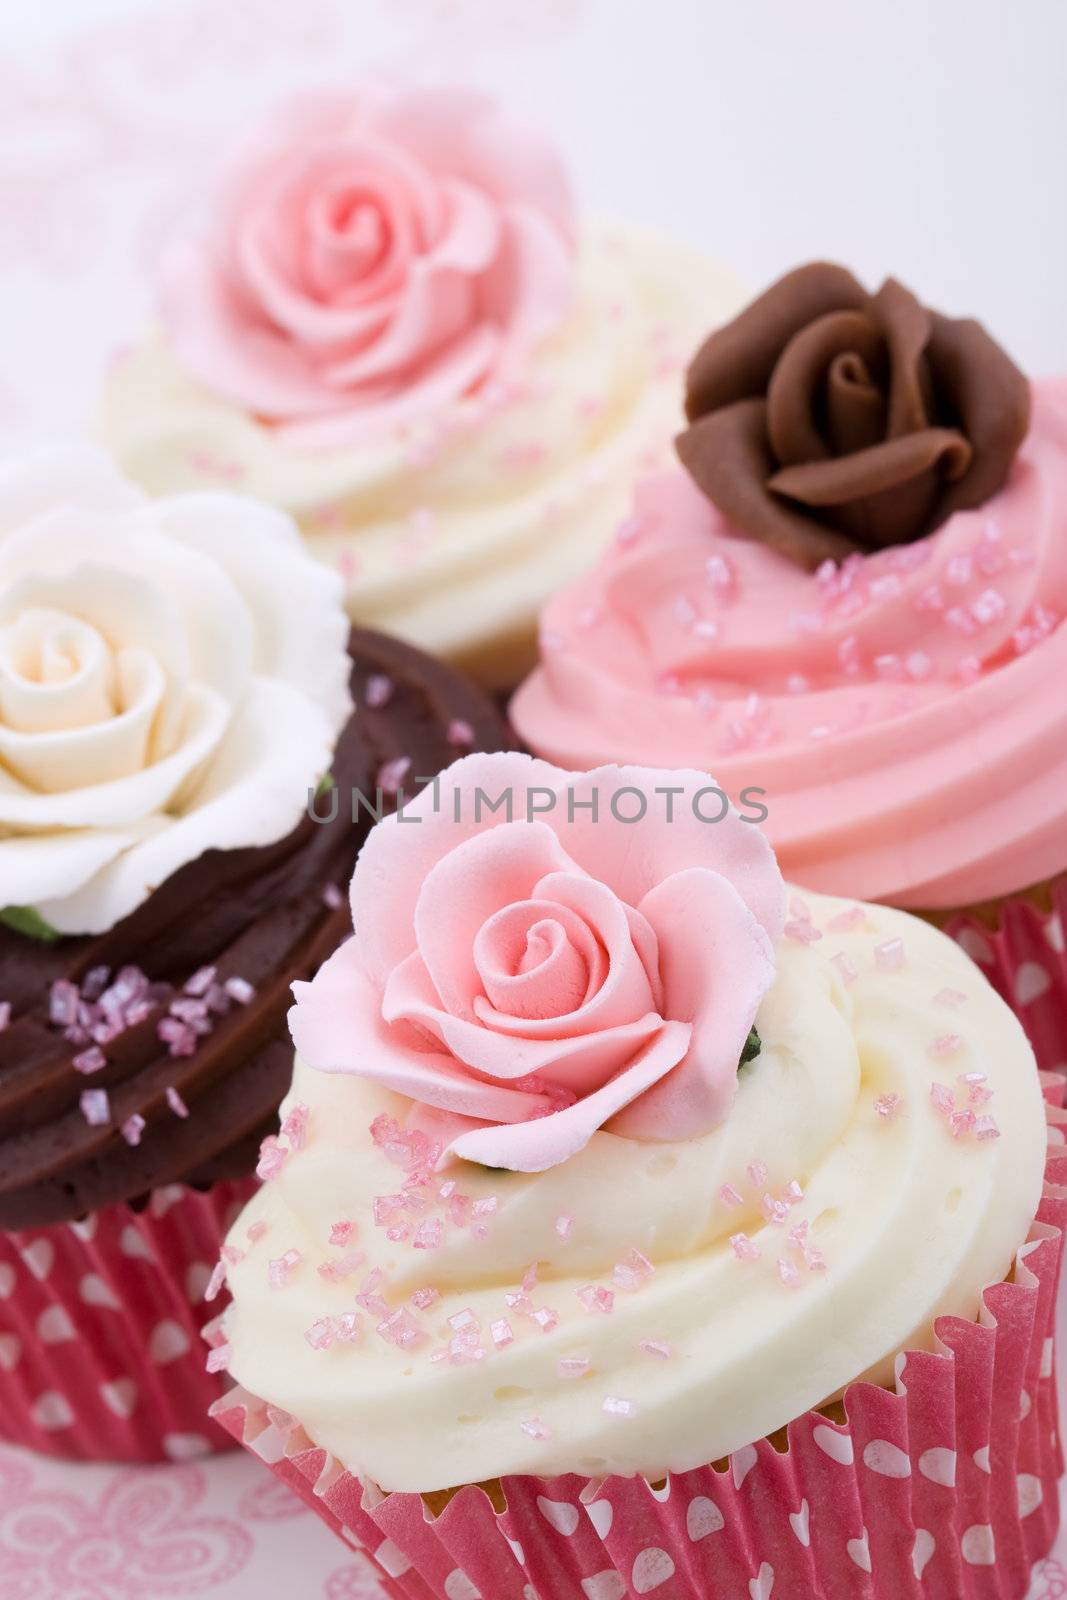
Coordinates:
[173,678]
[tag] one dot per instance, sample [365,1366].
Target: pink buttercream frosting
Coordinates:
[370,256]
[905,712]
[529,981]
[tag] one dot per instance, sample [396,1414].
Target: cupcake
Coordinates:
[389,323]
[598,1267]
[852,598]
[177,682]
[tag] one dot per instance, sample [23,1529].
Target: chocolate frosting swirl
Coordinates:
[256,914]
[825,419]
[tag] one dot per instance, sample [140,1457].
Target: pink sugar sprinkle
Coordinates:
[384,1209]
[989,607]
[175,1101]
[95,1107]
[91,1060]
[946,1044]
[341,1232]
[200,982]
[424,1298]
[942,1098]
[272,1157]
[219,1358]
[564,1225]
[379,690]
[846,921]
[179,1037]
[5,1014]
[616,1407]
[320,1335]
[743,1247]
[460,734]
[546,1319]
[776,1211]
[889,957]
[240,989]
[464,1321]
[215,1282]
[332,898]
[334,1271]
[295,1125]
[400,1329]
[484,1208]
[633,1270]
[535,1428]
[279,1269]
[949,997]
[399,1233]
[429,1234]
[656,1347]
[255,1232]
[133,1128]
[348,1327]
[979,1095]
[529,1277]
[757,1174]
[501,1333]
[572,1366]
[962,1123]
[845,967]
[391,774]
[986,1128]
[596,1298]
[787,1273]
[231,1255]
[63,1003]
[729,1195]
[887,1106]
[793,1191]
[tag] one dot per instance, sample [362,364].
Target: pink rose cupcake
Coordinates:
[391,324]
[645,1229]
[177,677]
[854,599]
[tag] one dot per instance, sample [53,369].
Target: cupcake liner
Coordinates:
[945,1487]
[100,1320]
[1025,959]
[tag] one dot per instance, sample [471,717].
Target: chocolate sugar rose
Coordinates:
[825,419]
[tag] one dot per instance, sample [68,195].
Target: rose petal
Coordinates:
[253,793]
[717,964]
[337,1026]
[632,858]
[578,1062]
[534,1146]
[397,858]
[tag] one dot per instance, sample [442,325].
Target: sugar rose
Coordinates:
[371,256]
[527,982]
[173,677]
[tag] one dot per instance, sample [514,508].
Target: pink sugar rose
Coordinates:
[370,257]
[531,981]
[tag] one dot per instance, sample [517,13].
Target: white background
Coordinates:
[927,138]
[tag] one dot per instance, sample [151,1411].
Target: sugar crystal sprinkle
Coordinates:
[887,1106]
[743,1247]
[615,1406]
[656,1347]
[889,957]
[95,1107]
[535,1428]
[572,1366]
[133,1128]
[175,1102]
[596,1298]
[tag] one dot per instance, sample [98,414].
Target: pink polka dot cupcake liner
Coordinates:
[101,1353]
[944,1487]
[1025,959]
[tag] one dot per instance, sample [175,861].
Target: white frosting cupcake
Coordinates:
[399,338]
[636,1304]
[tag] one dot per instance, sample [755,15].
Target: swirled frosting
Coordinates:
[453,531]
[904,711]
[752,1272]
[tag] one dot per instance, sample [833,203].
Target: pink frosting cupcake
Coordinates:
[852,600]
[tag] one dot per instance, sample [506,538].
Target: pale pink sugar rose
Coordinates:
[370,257]
[532,981]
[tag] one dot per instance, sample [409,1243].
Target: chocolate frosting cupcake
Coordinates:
[186,998]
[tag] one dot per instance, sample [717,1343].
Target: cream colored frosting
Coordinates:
[453,535]
[912,1223]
